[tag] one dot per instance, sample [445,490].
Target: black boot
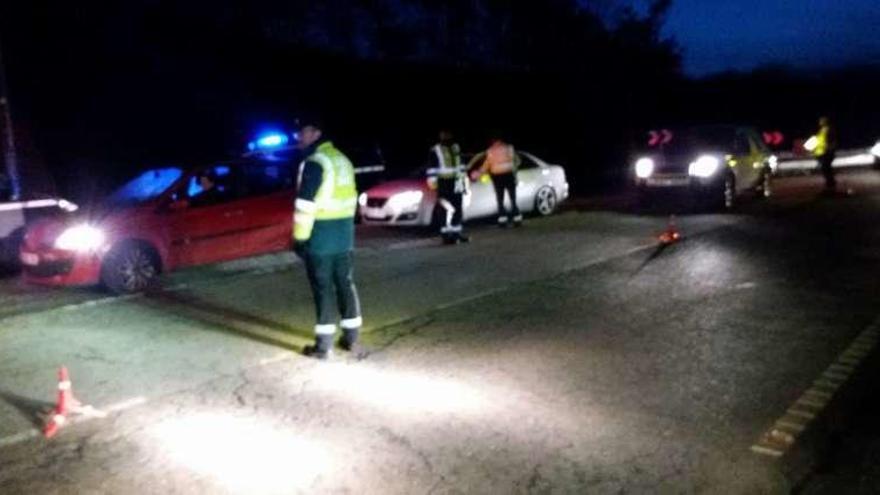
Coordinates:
[349,338]
[321,349]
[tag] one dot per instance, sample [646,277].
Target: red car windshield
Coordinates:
[146,186]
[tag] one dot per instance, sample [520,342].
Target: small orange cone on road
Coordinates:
[671,234]
[66,404]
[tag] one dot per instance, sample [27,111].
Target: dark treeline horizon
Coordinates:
[99,91]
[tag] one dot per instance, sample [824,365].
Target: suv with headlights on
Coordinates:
[711,163]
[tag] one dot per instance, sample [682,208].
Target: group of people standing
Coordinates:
[452,178]
[324,210]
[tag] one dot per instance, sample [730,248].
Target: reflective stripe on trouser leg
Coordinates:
[450,211]
[352,323]
[328,329]
[347,299]
[320,271]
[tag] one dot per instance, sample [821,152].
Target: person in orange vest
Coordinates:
[501,163]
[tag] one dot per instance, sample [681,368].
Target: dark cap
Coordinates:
[310,121]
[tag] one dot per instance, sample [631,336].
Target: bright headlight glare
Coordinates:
[67,206]
[704,166]
[362,199]
[811,143]
[876,150]
[644,168]
[80,238]
[405,200]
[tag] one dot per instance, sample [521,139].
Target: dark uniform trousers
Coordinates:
[506,183]
[826,164]
[332,280]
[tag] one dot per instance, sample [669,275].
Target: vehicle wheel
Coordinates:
[765,187]
[546,201]
[130,267]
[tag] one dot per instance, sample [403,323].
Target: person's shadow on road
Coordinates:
[228,320]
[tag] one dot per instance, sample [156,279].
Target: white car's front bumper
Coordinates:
[384,215]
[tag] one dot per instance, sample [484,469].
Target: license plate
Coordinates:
[30,259]
[667,182]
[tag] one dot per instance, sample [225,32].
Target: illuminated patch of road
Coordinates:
[242,454]
[785,431]
[403,391]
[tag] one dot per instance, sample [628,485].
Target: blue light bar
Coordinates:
[273,140]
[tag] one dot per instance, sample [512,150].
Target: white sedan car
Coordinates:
[413,202]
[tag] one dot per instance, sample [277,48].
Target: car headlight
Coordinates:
[644,168]
[67,205]
[405,200]
[80,238]
[876,150]
[704,166]
[362,199]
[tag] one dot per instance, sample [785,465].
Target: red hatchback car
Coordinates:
[165,219]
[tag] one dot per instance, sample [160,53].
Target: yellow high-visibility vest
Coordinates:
[337,196]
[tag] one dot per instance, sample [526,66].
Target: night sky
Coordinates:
[718,35]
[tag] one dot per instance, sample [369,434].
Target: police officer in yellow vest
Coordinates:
[323,232]
[451,181]
[824,149]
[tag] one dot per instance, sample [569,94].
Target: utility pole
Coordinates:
[9,135]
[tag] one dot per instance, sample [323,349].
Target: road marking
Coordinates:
[801,413]
[786,430]
[792,424]
[96,302]
[415,243]
[502,288]
[818,393]
[19,437]
[126,404]
[277,358]
[87,413]
[810,402]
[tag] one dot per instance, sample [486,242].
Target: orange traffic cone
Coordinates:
[671,234]
[65,405]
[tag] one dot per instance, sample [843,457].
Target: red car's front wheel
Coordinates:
[130,267]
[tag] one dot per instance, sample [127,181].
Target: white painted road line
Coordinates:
[86,414]
[19,437]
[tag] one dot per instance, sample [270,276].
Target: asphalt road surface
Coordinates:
[573,355]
